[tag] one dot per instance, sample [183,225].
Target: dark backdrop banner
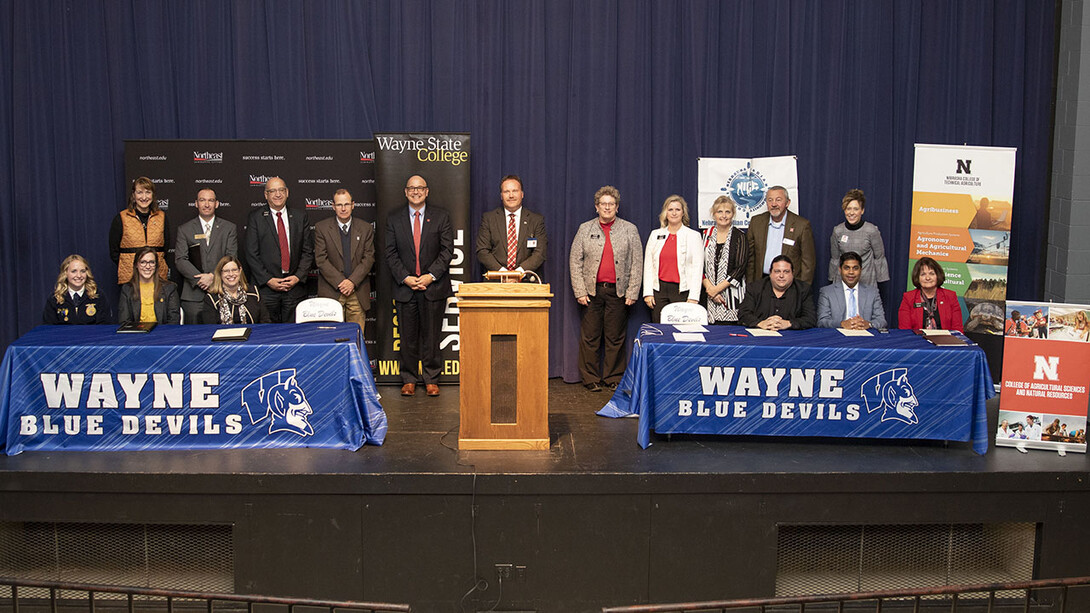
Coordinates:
[237,171]
[569,94]
[443,160]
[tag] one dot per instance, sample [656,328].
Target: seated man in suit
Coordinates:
[849,303]
[778,302]
[201,243]
[511,237]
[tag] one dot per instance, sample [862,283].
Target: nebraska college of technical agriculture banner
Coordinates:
[961,216]
[443,161]
[1046,370]
[745,180]
[237,171]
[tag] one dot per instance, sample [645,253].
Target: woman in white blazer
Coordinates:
[673,263]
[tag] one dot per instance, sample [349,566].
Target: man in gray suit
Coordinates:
[848,303]
[511,237]
[344,250]
[199,245]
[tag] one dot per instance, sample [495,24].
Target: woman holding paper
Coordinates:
[228,300]
[929,306]
[148,297]
[674,261]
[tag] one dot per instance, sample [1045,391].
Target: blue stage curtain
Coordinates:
[571,95]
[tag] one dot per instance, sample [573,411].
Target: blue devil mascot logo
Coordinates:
[891,393]
[277,397]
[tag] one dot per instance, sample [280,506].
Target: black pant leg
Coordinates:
[590,338]
[615,320]
[408,316]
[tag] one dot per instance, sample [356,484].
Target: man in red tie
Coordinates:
[279,252]
[511,237]
[419,248]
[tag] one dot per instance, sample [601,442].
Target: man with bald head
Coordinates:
[279,252]
[419,248]
[200,244]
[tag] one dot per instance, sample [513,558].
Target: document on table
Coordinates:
[762,332]
[689,337]
[935,332]
[847,332]
[690,328]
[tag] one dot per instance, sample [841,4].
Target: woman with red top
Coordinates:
[929,306]
[674,260]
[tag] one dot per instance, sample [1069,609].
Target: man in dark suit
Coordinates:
[779,232]
[778,301]
[344,250]
[511,237]
[199,245]
[279,252]
[419,248]
[850,304]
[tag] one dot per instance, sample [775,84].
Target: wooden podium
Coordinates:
[504,354]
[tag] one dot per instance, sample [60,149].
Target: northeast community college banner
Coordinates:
[237,171]
[745,180]
[961,217]
[443,161]
[1046,371]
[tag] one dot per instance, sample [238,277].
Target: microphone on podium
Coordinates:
[511,276]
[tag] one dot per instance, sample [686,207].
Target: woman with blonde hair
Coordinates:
[147,297]
[229,299]
[141,224]
[75,298]
[725,258]
[674,259]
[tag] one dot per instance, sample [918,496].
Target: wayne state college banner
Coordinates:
[443,160]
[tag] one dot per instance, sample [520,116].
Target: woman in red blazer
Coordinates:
[929,305]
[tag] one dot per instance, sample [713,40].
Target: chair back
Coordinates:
[684,313]
[318,309]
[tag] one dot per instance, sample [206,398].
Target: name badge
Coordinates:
[790,242]
[918,305]
[844,238]
[199,237]
[531,243]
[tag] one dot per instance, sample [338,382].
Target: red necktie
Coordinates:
[512,242]
[416,239]
[285,257]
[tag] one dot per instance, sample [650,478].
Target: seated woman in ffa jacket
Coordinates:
[147,297]
[75,298]
[929,306]
[228,300]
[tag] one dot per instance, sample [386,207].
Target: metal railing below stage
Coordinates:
[950,597]
[168,600]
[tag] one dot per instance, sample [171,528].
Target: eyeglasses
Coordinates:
[277,190]
[146,263]
[417,188]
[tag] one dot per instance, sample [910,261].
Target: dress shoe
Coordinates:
[433,389]
[593,387]
[610,387]
[408,389]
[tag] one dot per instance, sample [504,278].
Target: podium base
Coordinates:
[501,444]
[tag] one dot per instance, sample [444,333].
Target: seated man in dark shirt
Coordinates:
[778,302]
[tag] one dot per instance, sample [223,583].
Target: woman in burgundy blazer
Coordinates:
[929,305]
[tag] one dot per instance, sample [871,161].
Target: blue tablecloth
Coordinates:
[90,388]
[805,383]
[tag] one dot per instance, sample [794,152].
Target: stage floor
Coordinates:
[423,440]
[596,520]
